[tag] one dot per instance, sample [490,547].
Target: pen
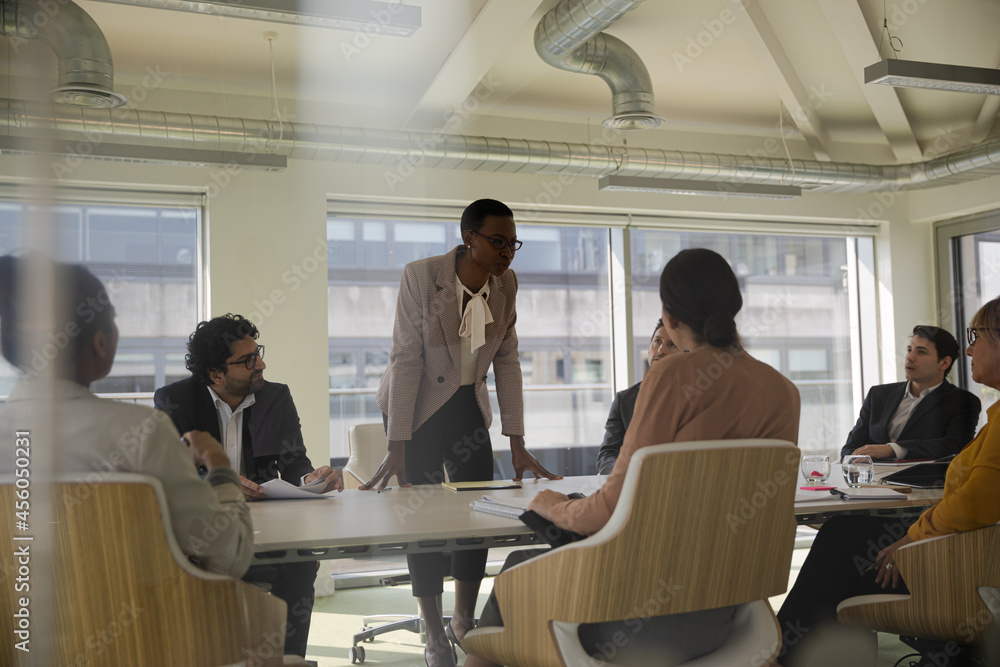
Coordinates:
[388,488]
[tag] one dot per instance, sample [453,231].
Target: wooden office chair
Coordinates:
[952,582]
[710,521]
[368,446]
[123,593]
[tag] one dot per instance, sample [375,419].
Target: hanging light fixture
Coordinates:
[916,74]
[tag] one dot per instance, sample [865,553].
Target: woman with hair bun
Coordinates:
[713,391]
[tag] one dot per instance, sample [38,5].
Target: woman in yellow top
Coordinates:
[855,555]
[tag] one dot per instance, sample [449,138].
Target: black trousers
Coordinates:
[455,439]
[293,583]
[833,571]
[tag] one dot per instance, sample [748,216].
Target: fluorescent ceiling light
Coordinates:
[709,188]
[915,74]
[184,157]
[387,18]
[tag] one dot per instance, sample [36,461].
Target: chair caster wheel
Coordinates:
[356,654]
[366,629]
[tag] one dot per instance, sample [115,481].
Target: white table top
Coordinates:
[432,518]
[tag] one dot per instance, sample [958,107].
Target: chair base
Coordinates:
[945,654]
[368,633]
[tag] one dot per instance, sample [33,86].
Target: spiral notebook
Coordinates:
[492,506]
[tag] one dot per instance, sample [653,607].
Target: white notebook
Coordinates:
[511,508]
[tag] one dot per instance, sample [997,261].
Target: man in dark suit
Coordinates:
[623,406]
[925,417]
[257,424]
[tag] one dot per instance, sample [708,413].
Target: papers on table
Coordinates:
[868,493]
[281,490]
[847,493]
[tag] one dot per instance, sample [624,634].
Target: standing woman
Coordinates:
[455,316]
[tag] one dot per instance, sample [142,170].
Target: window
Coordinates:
[148,258]
[969,280]
[563,329]
[795,316]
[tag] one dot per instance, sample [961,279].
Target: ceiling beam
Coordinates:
[490,34]
[851,30]
[987,118]
[800,103]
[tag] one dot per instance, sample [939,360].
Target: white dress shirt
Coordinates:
[902,415]
[231,428]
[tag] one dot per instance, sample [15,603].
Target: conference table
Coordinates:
[431,518]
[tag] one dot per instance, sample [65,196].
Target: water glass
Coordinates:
[815,468]
[858,470]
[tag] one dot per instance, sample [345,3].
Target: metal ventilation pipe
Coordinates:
[86,70]
[570,37]
[398,150]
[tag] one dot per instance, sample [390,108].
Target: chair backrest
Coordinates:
[698,526]
[368,446]
[120,591]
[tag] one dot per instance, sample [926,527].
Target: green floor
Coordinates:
[336,618]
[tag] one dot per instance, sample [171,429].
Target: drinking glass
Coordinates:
[815,468]
[858,470]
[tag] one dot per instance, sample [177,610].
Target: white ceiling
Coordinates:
[717,69]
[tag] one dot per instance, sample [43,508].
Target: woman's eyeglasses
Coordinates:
[972,334]
[251,359]
[500,244]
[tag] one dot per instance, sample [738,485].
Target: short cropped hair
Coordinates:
[659,325]
[475,213]
[82,308]
[212,343]
[943,341]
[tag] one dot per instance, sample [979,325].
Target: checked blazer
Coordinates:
[425,365]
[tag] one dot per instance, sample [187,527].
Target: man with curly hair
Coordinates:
[257,423]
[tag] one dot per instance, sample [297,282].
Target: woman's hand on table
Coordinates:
[393,465]
[886,571]
[524,462]
[543,503]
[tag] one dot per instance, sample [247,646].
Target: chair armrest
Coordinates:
[943,577]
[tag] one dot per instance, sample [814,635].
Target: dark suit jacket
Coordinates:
[272,434]
[614,429]
[941,424]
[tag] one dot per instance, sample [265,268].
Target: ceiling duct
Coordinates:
[86,71]
[77,131]
[570,37]
[384,18]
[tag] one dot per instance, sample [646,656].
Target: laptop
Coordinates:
[929,475]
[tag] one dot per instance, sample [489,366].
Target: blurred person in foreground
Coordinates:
[856,555]
[209,518]
[623,407]
[748,399]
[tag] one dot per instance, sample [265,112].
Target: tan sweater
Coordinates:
[707,394]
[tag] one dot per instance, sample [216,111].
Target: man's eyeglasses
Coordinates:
[251,359]
[973,333]
[499,244]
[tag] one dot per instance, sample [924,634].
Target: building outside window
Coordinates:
[796,316]
[147,257]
